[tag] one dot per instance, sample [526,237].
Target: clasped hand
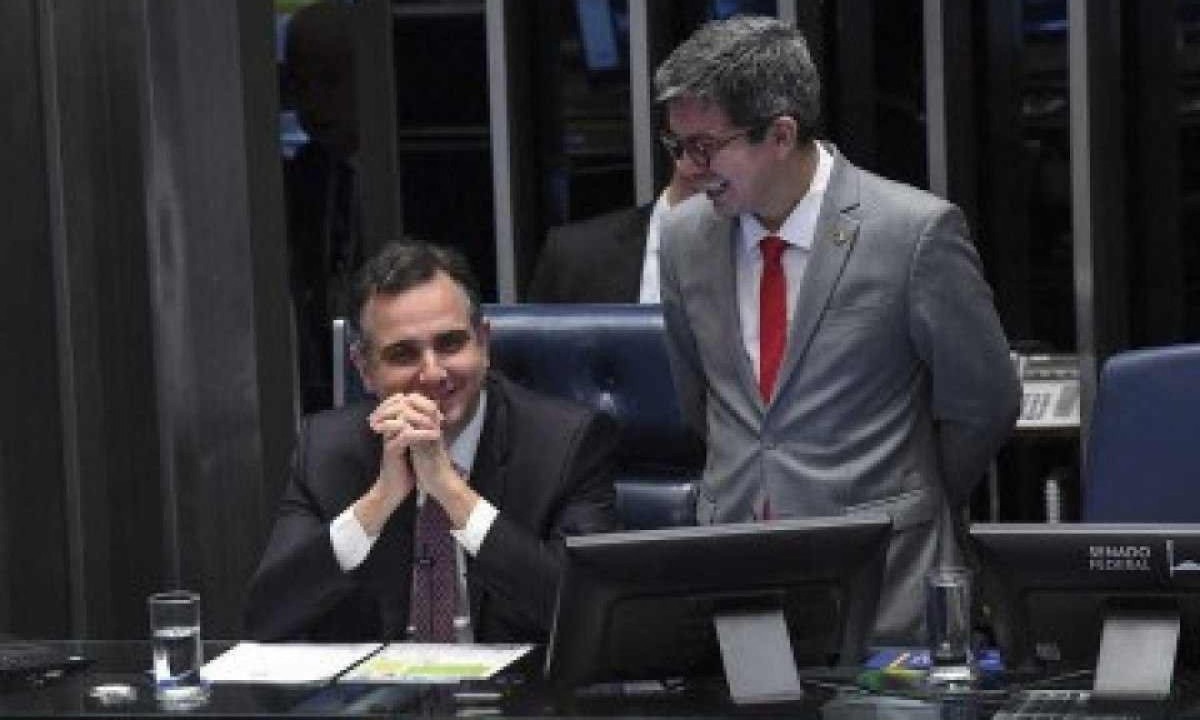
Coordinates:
[414,446]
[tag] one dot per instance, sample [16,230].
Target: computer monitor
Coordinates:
[1119,598]
[756,599]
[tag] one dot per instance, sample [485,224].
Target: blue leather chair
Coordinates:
[1143,456]
[611,358]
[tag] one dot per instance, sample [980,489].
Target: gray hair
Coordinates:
[754,68]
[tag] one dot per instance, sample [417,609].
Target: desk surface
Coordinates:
[826,698]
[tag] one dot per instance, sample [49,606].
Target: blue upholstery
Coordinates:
[612,358]
[1143,459]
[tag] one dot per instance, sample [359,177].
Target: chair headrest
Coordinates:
[612,358]
[1142,456]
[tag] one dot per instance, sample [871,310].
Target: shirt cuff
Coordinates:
[479,522]
[351,543]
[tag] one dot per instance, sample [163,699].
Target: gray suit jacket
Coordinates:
[895,390]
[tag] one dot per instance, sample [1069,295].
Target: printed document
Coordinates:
[285,663]
[435,663]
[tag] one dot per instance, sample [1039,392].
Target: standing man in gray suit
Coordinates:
[869,371]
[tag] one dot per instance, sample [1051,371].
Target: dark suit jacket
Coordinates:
[598,260]
[544,464]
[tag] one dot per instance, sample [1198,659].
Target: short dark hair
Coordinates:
[754,68]
[401,266]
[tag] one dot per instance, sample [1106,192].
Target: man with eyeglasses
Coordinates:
[830,331]
[432,513]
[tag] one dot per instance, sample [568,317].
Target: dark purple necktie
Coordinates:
[432,604]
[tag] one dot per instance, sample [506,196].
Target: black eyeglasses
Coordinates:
[700,149]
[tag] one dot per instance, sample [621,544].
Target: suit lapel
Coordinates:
[721,280]
[489,475]
[487,472]
[833,241]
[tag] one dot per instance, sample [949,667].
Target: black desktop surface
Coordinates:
[829,695]
[23,662]
[514,695]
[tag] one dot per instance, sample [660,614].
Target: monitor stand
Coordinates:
[1137,654]
[756,651]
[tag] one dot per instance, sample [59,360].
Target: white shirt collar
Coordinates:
[462,450]
[801,223]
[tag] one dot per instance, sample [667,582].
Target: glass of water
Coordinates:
[948,620]
[175,643]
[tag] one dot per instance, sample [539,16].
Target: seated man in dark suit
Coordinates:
[510,472]
[611,258]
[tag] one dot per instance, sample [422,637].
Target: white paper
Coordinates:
[284,663]
[435,663]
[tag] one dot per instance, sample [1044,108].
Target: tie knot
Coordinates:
[771,247]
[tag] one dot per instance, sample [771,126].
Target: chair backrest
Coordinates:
[347,385]
[1143,456]
[611,358]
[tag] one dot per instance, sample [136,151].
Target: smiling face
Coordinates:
[422,340]
[740,172]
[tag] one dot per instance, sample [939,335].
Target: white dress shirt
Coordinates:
[649,291]
[351,543]
[797,231]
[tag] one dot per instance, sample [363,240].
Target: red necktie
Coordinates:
[772,314]
[432,604]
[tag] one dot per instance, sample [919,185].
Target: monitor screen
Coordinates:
[1079,595]
[645,605]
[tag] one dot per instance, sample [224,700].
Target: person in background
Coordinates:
[611,258]
[447,497]
[321,185]
[831,333]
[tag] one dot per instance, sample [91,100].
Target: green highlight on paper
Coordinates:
[434,663]
[395,668]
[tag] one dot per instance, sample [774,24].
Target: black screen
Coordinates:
[640,605]
[1052,587]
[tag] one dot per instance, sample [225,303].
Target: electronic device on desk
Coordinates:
[1123,599]
[1049,391]
[757,599]
[23,663]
